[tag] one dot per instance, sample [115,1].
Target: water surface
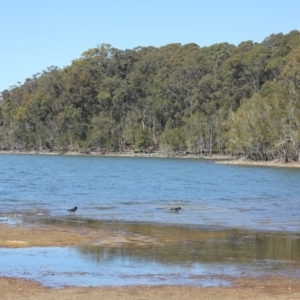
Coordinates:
[144,189]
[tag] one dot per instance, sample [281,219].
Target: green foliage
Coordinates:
[176,98]
[173,140]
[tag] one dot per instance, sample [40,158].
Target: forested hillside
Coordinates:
[242,100]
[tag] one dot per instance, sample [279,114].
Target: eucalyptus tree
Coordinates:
[290,83]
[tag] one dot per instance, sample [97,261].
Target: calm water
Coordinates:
[144,189]
[57,267]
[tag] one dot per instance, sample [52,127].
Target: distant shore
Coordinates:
[220,159]
[274,163]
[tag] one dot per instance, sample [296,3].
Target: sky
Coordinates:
[36,34]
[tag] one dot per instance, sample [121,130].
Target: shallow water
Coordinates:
[158,255]
[58,267]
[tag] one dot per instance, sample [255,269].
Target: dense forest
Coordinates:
[224,99]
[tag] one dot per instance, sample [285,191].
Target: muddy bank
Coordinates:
[63,235]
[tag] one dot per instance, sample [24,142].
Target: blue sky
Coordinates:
[36,34]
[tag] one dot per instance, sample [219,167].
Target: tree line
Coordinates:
[222,99]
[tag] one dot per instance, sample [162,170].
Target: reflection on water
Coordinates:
[154,254]
[180,244]
[59,267]
[185,245]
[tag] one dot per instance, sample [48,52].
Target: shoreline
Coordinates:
[245,162]
[278,288]
[219,159]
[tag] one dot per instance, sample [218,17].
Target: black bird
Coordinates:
[176,208]
[72,210]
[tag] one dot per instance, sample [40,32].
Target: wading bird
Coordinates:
[72,210]
[177,209]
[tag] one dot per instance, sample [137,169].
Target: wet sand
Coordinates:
[245,288]
[65,235]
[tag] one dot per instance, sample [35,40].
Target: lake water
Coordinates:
[235,220]
[144,189]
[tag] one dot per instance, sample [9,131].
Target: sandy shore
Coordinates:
[245,162]
[54,235]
